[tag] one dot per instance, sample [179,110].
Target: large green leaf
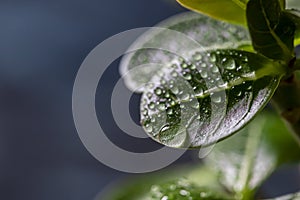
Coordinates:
[246,159]
[200,100]
[229,10]
[183,33]
[272,32]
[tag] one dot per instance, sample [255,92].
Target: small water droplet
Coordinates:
[149,95]
[165,198]
[158,91]
[188,76]
[197,56]
[183,193]
[148,128]
[161,106]
[174,74]
[145,112]
[204,74]
[151,105]
[203,65]
[215,69]
[239,94]
[184,97]
[216,98]
[229,64]
[184,65]
[192,67]
[175,90]
[213,58]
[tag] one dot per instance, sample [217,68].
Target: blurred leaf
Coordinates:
[182,189]
[197,178]
[295,196]
[208,97]
[228,10]
[185,32]
[293,4]
[272,32]
[246,159]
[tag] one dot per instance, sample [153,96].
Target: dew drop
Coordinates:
[204,74]
[188,76]
[148,128]
[239,94]
[185,97]
[161,107]
[169,111]
[213,58]
[149,95]
[203,65]
[229,64]
[183,193]
[174,74]
[216,98]
[175,90]
[165,198]
[215,69]
[197,56]
[158,91]
[145,112]
[151,105]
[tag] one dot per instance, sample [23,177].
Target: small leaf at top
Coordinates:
[207,96]
[182,34]
[245,160]
[228,10]
[272,32]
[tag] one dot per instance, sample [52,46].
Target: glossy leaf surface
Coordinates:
[182,34]
[198,101]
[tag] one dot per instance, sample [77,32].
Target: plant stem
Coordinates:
[286,100]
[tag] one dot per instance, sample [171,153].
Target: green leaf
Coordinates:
[272,32]
[198,101]
[294,15]
[246,159]
[194,179]
[184,33]
[228,10]
[182,189]
[295,196]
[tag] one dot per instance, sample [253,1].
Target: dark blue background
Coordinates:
[42,44]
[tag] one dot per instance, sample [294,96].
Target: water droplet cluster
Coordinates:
[180,189]
[181,96]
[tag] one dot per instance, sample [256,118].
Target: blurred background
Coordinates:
[43,44]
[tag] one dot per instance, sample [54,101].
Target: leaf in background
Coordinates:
[246,159]
[182,189]
[198,101]
[272,32]
[194,179]
[228,10]
[196,30]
